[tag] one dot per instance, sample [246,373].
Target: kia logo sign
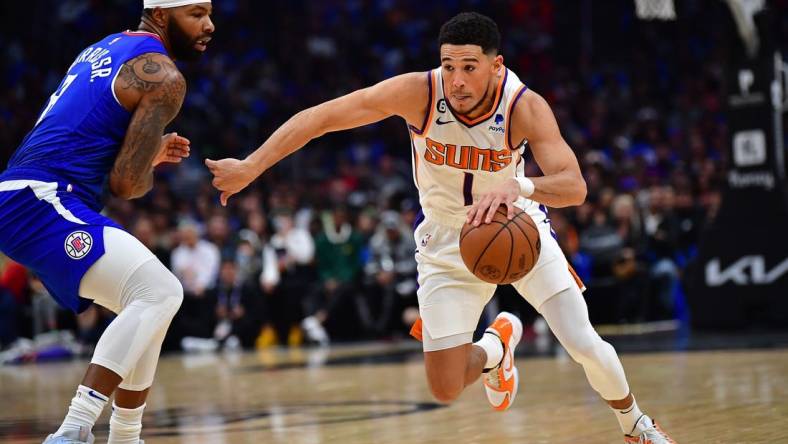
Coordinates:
[748,270]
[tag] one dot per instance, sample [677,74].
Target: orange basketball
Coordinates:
[502,251]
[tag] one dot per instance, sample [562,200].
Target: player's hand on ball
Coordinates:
[484,210]
[230,176]
[174,148]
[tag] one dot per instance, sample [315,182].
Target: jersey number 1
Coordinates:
[56,96]
[467,189]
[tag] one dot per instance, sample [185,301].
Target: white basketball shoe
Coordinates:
[81,436]
[501,381]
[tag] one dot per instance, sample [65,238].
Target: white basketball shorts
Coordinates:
[451,298]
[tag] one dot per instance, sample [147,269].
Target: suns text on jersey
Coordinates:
[467,157]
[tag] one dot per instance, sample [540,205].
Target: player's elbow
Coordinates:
[120,188]
[574,194]
[127,194]
[311,123]
[580,193]
[140,190]
[126,189]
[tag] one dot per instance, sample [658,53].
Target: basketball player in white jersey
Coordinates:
[469,121]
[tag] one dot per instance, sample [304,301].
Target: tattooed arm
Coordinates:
[153,88]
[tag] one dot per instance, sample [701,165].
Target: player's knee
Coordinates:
[171,292]
[162,290]
[445,392]
[445,388]
[584,348]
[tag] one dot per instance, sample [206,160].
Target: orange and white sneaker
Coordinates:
[651,435]
[500,382]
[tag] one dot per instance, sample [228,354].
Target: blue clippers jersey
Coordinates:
[81,128]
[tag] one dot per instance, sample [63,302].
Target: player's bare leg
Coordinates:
[622,404]
[101,379]
[130,399]
[450,371]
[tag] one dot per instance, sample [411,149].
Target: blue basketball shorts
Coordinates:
[49,230]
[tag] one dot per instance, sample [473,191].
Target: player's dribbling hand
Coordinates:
[484,210]
[230,176]
[174,148]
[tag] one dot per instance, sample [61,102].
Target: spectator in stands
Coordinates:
[45,309]
[390,275]
[249,256]
[338,254]
[145,230]
[602,243]
[237,308]
[8,318]
[218,233]
[15,279]
[626,219]
[195,261]
[662,229]
[390,178]
[293,266]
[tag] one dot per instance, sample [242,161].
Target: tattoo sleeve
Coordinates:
[162,88]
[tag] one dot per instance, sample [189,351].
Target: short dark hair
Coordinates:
[471,28]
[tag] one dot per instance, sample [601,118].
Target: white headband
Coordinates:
[171,3]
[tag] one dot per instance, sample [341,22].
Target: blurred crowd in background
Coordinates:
[320,248]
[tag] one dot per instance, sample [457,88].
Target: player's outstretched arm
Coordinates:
[152,85]
[562,184]
[404,96]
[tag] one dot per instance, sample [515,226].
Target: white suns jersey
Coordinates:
[456,160]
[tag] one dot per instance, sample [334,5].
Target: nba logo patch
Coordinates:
[78,244]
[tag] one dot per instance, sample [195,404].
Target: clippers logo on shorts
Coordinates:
[78,244]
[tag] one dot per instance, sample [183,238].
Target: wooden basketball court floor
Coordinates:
[376,393]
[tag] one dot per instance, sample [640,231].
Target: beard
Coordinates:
[182,45]
[478,104]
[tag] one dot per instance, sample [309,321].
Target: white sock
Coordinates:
[632,421]
[85,408]
[492,346]
[125,425]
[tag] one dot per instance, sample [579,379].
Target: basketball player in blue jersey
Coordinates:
[469,121]
[104,125]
